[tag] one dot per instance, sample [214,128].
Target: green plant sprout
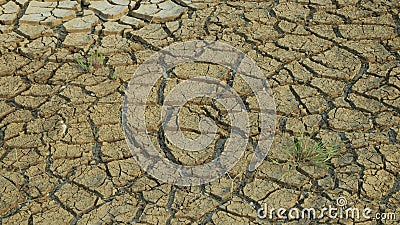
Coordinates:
[94,62]
[307,152]
[303,151]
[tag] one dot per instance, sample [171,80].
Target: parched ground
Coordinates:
[333,66]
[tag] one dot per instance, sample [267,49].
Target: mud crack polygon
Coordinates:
[147,153]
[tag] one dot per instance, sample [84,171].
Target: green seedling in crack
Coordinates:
[93,62]
[85,66]
[304,151]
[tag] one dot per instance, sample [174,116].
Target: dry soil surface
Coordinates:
[333,66]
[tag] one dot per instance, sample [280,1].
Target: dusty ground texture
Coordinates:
[333,66]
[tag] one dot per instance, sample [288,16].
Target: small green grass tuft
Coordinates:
[310,153]
[93,62]
[307,152]
[85,66]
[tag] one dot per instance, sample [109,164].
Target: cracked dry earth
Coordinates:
[333,66]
